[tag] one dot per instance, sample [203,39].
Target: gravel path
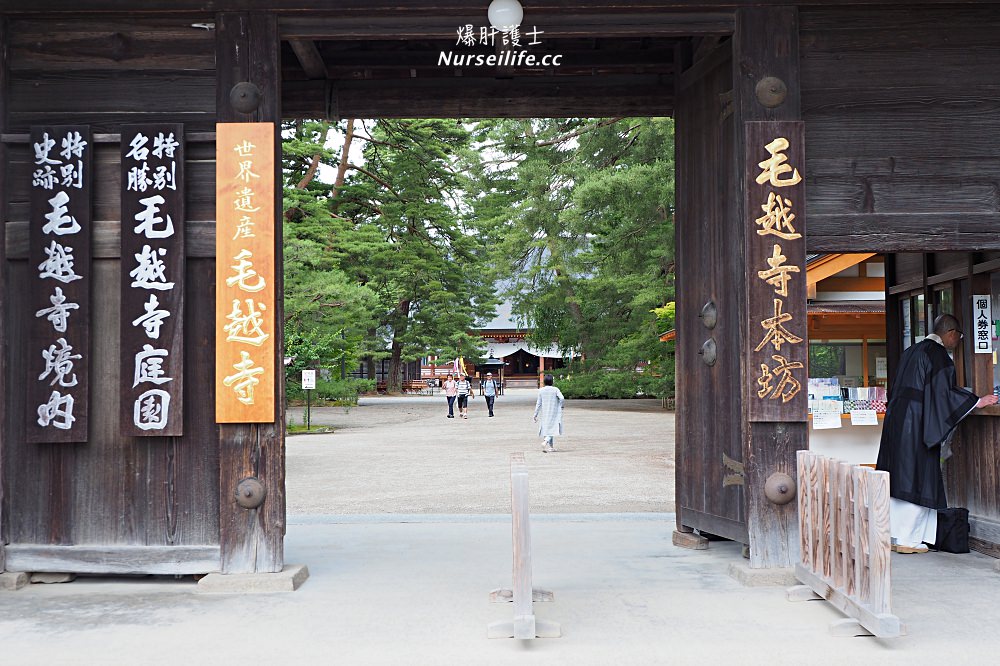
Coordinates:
[401,455]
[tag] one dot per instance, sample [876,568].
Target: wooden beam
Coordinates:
[876,285]
[480,98]
[550,26]
[309,57]
[903,232]
[823,267]
[114,559]
[450,7]
[252,540]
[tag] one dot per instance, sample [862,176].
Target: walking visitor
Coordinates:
[489,391]
[450,391]
[464,387]
[549,406]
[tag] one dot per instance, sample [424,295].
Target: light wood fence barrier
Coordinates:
[845,543]
[524,625]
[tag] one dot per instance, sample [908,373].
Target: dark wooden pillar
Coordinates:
[766,46]
[252,540]
[3,270]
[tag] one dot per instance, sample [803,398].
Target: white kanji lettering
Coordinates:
[45,178]
[72,175]
[138,178]
[43,149]
[59,222]
[59,313]
[58,264]
[164,145]
[148,219]
[150,273]
[57,412]
[151,410]
[149,366]
[73,145]
[59,362]
[139,152]
[152,320]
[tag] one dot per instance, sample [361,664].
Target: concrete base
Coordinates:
[741,571]
[288,579]
[996,566]
[47,577]
[13,580]
[689,540]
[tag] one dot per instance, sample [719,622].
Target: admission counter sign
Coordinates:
[245,270]
[776,253]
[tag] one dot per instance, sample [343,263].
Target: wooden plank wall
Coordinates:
[709,268]
[113,490]
[902,135]
[3,274]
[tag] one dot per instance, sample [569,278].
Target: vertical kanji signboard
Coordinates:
[245,273]
[152,282]
[59,259]
[776,275]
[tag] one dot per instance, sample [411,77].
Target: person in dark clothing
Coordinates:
[924,408]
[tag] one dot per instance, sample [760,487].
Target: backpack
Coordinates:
[952,530]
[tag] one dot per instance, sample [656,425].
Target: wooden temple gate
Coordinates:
[827,125]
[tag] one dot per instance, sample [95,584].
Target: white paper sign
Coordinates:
[826,420]
[308,379]
[982,318]
[881,367]
[864,417]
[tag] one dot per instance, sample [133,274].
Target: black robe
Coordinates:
[924,408]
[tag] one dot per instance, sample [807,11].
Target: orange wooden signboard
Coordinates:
[244,273]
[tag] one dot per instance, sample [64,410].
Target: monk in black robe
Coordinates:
[924,408]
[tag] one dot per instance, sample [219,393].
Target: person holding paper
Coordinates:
[924,408]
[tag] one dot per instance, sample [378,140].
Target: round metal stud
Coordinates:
[771,91]
[245,97]
[250,493]
[779,488]
[709,352]
[709,315]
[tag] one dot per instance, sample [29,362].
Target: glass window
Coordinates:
[944,301]
[905,312]
[919,316]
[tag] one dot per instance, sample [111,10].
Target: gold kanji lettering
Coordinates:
[777,334]
[773,167]
[787,385]
[778,275]
[777,218]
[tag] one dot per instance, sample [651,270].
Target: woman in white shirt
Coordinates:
[464,387]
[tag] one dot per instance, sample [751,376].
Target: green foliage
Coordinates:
[826,360]
[581,210]
[338,391]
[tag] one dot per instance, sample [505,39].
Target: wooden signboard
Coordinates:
[777,345]
[152,280]
[245,273]
[59,259]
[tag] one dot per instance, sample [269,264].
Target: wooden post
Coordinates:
[765,46]
[252,540]
[525,625]
[3,271]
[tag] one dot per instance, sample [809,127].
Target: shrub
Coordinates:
[339,391]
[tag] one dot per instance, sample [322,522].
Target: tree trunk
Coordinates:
[566,285]
[394,380]
[338,182]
